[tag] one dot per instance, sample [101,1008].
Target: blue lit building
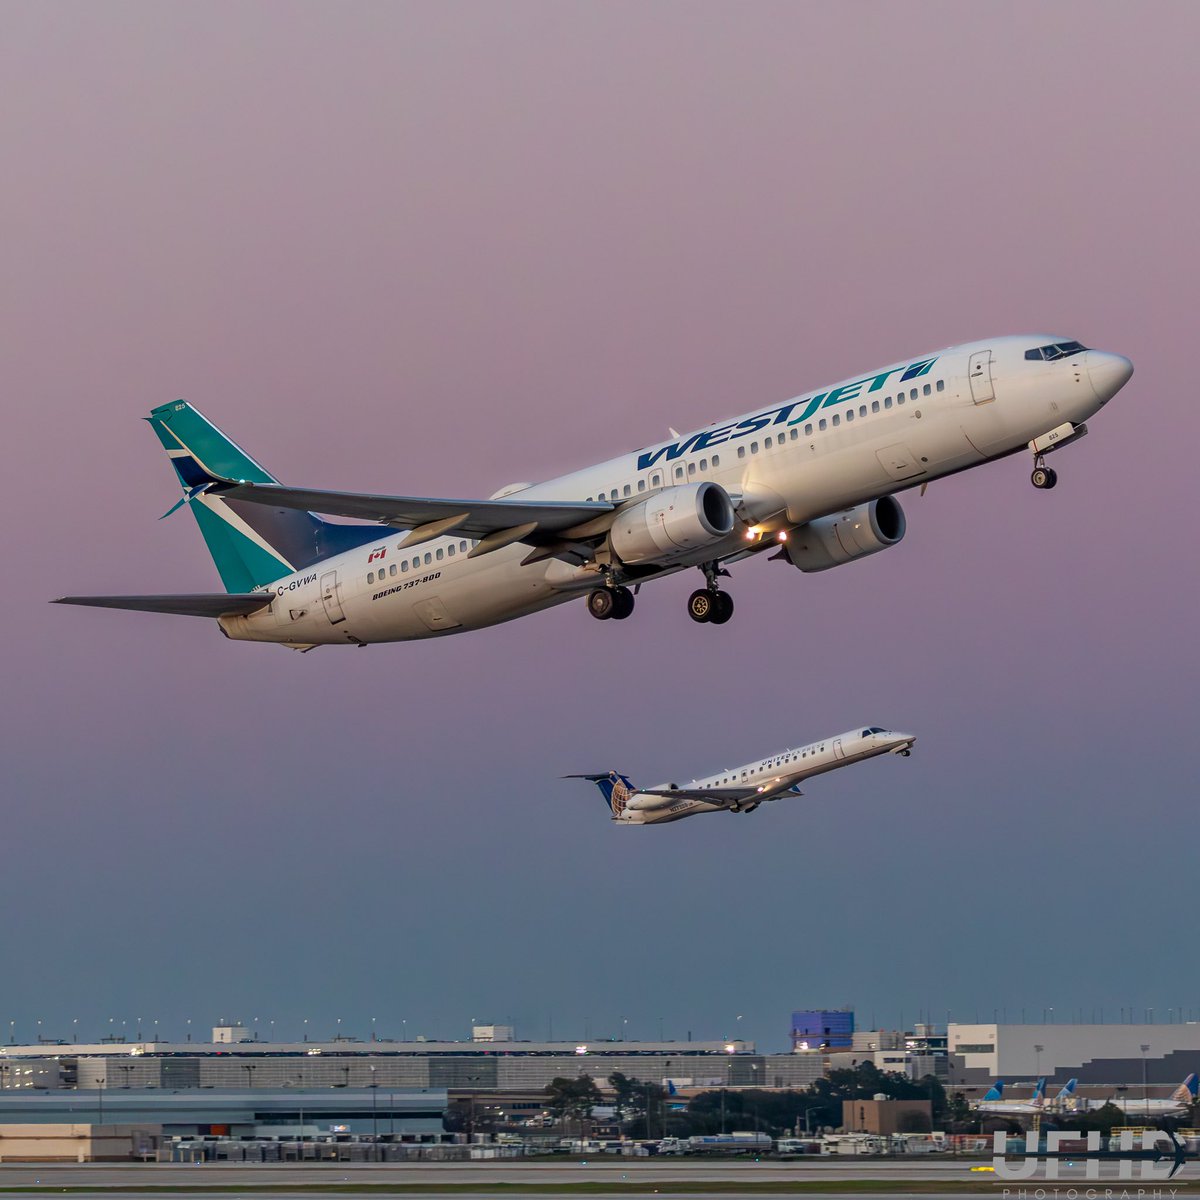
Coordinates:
[821,1029]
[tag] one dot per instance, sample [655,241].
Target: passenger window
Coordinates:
[874,406]
[679,472]
[927,390]
[716,461]
[753,447]
[691,468]
[862,410]
[887,402]
[613,494]
[823,425]
[656,480]
[795,434]
[704,464]
[741,452]
[404,565]
[428,559]
[849,414]
[837,419]
[625,489]
[913,394]
[807,430]
[899,398]
[941,385]
[641,485]
[440,555]
[392,570]
[767,444]
[450,550]
[370,576]
[463,547]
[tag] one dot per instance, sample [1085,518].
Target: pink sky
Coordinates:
[436,248]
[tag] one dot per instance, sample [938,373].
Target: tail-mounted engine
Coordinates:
[843,537]
[673,524]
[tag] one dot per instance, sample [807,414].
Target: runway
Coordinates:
[664,1178]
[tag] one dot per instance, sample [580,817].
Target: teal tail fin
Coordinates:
[251,544]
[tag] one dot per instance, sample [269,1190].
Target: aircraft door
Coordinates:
[838,750]
[331,599]
[979,371]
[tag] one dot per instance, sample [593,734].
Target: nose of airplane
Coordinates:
[1109,373]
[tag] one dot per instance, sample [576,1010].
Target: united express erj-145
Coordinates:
[743,789]
[813,479]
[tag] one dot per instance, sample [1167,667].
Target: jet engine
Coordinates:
[841,538]
[675,523]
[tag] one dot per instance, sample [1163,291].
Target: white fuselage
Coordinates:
[870,436]
[770,777]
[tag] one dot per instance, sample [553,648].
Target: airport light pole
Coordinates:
[249,1068]
[374,1106]
[1145,1087]
[1037,1059]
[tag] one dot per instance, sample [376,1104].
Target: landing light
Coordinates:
[580,1049]
[783,535]
[752,533]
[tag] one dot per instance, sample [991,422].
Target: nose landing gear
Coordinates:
[1043,477]
[707,604]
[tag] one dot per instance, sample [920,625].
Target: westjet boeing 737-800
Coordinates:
[813,479]
[743,789]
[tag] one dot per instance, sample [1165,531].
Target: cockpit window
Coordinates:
[1058,350]
[873,729]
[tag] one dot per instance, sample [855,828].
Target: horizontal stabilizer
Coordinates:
[201,604]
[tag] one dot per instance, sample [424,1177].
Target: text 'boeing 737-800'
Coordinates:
[813,479]
[744,788]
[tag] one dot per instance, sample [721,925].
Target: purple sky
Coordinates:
[436,248]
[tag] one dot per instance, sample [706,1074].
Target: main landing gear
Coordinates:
[1043,477]
[610,603]
[707,604]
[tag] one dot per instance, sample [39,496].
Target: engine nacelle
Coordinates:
[673,524]
[843,537]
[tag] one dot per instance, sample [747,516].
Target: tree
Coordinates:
[573,1099]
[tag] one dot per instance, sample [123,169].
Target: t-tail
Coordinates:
[615,787]
[252,545]
[1187,1091]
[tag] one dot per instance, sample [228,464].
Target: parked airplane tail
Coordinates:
[1039,1094]
[1068,1090]
[996,1091]
[251,544]
[615,787]
[1187,1091]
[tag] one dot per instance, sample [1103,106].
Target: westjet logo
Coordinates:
[807,405]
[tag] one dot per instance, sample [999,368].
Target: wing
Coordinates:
[495,522]
[202,604]
[732,795]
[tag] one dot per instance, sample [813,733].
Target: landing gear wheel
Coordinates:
[602,604]
[622,603]
[701,605]
[1043,477]
[905,753]
[722,608]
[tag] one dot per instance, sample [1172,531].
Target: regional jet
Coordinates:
[810,483]
[743,789]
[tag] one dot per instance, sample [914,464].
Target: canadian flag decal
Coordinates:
[376,554]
